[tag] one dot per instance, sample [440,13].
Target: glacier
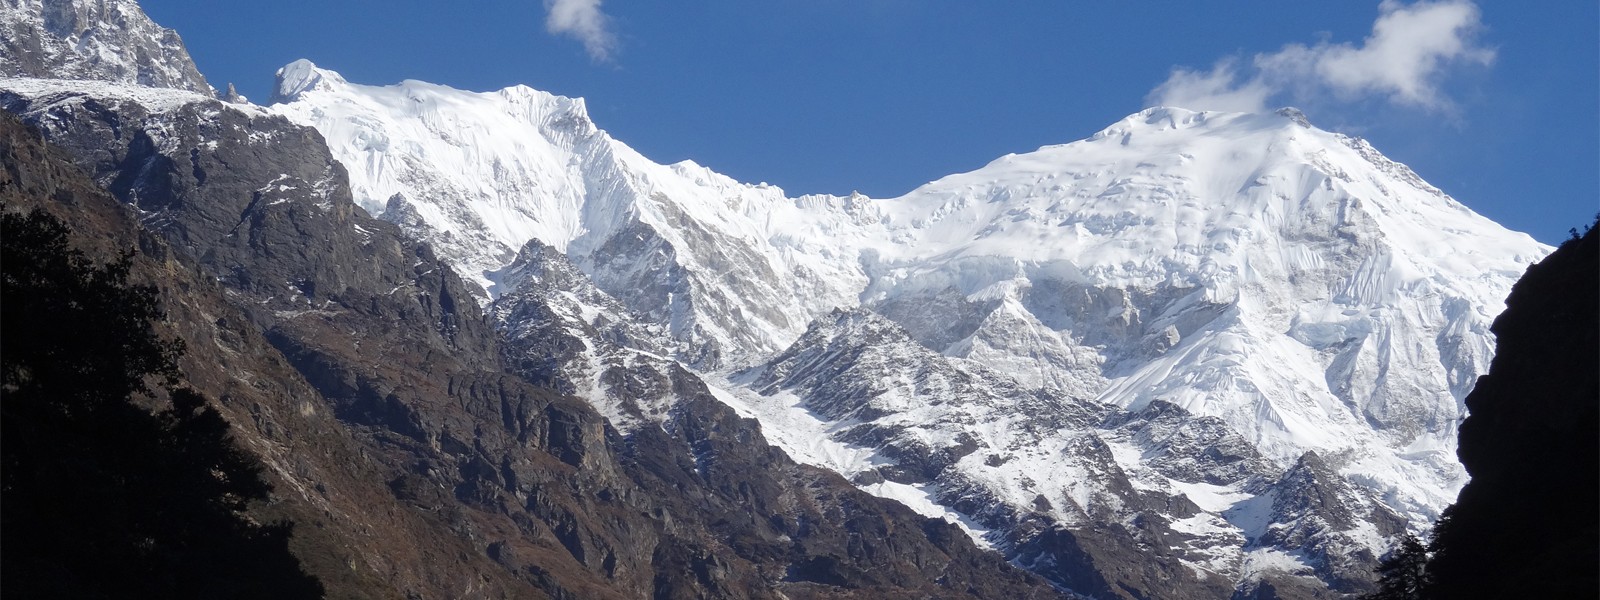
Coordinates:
[1219,311]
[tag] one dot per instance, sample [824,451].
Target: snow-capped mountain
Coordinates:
[1212,304]
[478,175]
[349,360]
[1191,356]
[1290,281]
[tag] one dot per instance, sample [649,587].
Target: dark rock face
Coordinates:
[561,329]
[1189,448]
[258,201]
[1111,541]
[1526,525]
[358,367]
[353,533]
[275,412]
[1313,512]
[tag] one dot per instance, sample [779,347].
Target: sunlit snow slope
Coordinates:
[480,174]
[1291,281]
[1308,304]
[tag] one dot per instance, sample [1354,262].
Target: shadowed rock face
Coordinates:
[1526,525]
[1314,512]
[354,363]
[276,413]
[1188,448]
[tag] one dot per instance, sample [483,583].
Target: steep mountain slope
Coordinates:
[1316,309]
[353,361]
[479,175]
[485,485]
[322,480]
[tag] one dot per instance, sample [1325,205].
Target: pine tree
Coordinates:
[1403,575]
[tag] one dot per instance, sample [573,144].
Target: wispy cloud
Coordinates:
[1217,89]
[584,21]
[1402,61]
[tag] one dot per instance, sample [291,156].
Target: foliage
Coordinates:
[1403,575]
[103,498]
[73,327]
[1574,235]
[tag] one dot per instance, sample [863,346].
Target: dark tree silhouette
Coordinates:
[103,498]
[1403,575]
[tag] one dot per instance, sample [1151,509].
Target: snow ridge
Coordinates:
[480,174]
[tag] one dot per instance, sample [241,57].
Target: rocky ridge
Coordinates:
[356,364]
[701,273]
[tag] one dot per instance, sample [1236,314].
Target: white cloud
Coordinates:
[1217,89]
[1401,61]
[582,20]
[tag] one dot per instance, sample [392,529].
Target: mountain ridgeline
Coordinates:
[1235,338]
[413,464]
[483,349]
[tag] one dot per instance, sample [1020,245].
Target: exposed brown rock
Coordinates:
[356,365]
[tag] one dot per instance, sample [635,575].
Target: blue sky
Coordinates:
[1496,102]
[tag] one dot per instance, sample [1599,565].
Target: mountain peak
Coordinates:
[1171,118]
[1294,114]
[1157,118]
[302,76]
